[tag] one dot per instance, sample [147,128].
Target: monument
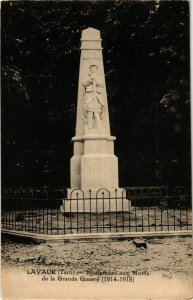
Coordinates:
[93,165]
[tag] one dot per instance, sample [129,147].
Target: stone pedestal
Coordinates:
[96,201]
[93,165]
[96,166]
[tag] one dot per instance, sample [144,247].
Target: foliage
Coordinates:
[146,58]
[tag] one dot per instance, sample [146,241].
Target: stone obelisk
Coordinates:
[93,165]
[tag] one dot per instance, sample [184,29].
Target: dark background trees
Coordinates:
[146,59]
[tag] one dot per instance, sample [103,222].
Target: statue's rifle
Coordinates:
[94,90]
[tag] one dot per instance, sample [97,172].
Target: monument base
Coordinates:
[95,201]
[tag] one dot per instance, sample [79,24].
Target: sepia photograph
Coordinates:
[96,150]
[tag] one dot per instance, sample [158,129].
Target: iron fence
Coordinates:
[149,209]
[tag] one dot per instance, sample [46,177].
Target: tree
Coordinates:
[146,58]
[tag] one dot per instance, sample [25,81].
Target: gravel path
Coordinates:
[170,258]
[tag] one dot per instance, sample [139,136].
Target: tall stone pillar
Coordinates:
[93,165]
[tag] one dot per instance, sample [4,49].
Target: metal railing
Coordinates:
[149,209]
